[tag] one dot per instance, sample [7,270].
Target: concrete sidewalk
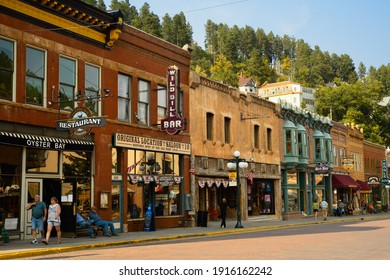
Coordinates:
[22,248]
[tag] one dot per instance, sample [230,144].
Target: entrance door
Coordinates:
[34,187]
[116,204]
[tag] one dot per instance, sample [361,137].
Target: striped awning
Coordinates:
[45,142]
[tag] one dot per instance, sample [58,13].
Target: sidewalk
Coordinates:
[22,248]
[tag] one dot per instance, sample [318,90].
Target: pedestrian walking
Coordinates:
[223,210]
[363,206]
[316,207]
[53,220]
[38,217]
[324,207]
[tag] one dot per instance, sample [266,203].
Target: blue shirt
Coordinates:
[94,216]
[79,218]
[38,210]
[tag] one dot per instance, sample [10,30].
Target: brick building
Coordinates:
[82,97]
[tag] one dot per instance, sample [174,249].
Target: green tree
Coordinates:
[129,12]
[148,21]
[222,70]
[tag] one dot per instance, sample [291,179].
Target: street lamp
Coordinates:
[236,164]
[150,167]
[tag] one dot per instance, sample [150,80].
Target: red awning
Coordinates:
[363,187]
[340,180]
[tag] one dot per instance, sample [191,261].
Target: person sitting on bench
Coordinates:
[93,215]
[83,223]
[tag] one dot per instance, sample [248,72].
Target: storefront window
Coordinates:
[42,161]
[267,204]
[153,178]
[319,179]
[293,200]
[77,168]
[10,178]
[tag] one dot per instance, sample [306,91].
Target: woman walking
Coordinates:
[316,206]
[53,220]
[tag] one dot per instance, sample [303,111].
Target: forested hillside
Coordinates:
[347,92]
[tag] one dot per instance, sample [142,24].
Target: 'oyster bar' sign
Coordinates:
[173,123]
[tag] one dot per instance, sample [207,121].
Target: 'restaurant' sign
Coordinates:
[81,122]
[173,123]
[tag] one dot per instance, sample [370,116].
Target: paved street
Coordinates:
[340,236]
[354,240]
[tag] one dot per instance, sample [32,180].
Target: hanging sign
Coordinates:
[173,123]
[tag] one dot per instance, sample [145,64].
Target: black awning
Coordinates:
[45,142]
[340,180]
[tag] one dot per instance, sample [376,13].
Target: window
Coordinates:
[256,134]
[7,69]
[227,122]
[342,155]
[35,76]
[167,191]
[289,142]
[143,102]
[10,181]
[209,126]
[67,83]
[92,88]
[269,139]
[161,103]
[317,149]
[42,161]
[124,98]
[336,157]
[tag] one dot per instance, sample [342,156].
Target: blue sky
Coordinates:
[358,28]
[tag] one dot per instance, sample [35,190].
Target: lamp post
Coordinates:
[152,167]
[236,164]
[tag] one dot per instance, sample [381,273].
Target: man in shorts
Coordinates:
[38,216]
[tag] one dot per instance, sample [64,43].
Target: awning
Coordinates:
[340,180]
[45,142]
[363,187]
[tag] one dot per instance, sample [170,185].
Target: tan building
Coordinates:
[374,156]
[225,120]
[348,172]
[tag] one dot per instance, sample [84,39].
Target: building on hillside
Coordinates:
[291,92]
[226,120]
[306,160]
[247,85]
[87,115]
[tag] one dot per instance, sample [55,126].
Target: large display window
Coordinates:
[10,179]
[153,178]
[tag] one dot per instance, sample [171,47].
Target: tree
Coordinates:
[129,12]
[148,21]
[222,71]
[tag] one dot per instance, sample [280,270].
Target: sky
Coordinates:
[358,28]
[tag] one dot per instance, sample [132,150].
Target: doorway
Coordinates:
[34,187]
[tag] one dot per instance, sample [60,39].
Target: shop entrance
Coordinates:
[47,188]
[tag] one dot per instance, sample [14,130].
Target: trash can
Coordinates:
[202,219]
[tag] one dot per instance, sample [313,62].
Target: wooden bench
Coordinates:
[185,221]
[80,231]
